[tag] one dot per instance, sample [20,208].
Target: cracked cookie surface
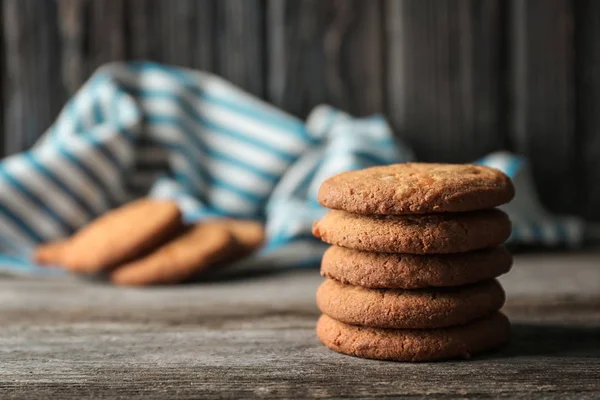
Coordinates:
[409,309]
[413,271]
[415,344]
[417,188]
[415,234]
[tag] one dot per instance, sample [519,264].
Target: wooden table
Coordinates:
[254,337]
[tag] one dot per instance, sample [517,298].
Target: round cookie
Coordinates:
[409,309]
[415,234]
[203,246]
[249,235]
[415,344]
[417,188]
[411,271]
[116,237]
[200,247]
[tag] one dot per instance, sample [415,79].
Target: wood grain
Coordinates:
[244,337]
[92,34]
[73,28]
[444,76]
[240,30]
[2,75]
[587,104]
[458,79]
[543,96]
[325,52]
[105,33]
[179,32]
[32,89]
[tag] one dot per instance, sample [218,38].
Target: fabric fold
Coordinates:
[145,129]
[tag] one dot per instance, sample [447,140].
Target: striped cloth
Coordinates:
[144,129]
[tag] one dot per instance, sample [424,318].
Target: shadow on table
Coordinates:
[227,274]
[553,341]
[218,275]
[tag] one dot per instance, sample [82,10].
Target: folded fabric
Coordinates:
[144,129]
[532,223]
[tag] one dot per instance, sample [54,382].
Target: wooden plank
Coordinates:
[92,33]
[33,92]
[588,99]
[68,338]
[72,26]
[106,33]
[177,32]
[240,51]
[325,52]
[543,97]
[444,76]
[2,74]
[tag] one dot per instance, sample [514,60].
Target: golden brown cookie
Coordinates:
[250,235]
[50,253]
[415,344]
[116,237]
[409,309]
[415,234]
[412,271]
[417,188]
[202,246]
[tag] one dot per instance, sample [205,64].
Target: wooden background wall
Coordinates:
[458,78]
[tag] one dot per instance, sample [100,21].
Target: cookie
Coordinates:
[417,188]
[409,309]
[415,345]
[415,234]
[50,253]
[250,235]
[205,245]
[199,248]
[116,237]
[411,271]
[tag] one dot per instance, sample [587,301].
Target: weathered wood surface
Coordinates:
[31,84]
[254,337]
[325,52]
[457,78]
[240,40]
[587,52]
[445,77]
[544,96]
[175,32]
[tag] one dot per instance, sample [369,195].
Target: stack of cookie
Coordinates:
[416,250]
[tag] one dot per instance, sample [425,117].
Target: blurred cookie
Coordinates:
[415,234]
[415,344]
[201,246]
[116,237]
[417,188]
[50,253]
[250,235]
[204,245]
[408,309]
[411,271]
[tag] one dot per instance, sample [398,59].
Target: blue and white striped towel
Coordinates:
[138,129]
